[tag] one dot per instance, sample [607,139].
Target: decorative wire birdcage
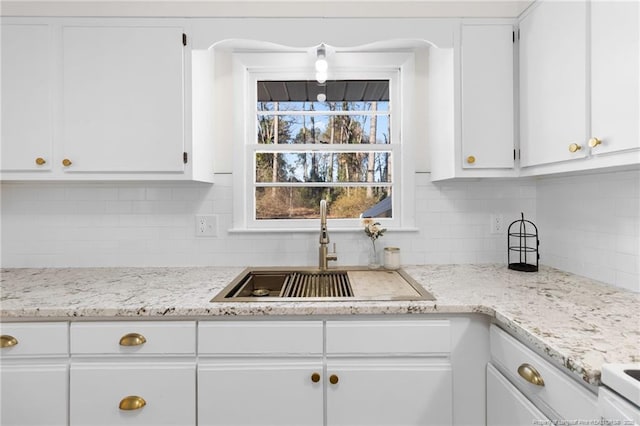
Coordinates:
[523,245]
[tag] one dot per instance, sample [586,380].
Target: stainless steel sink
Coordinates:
[347,284]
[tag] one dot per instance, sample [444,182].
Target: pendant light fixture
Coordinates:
[321,64]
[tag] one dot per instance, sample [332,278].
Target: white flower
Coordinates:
[373,229]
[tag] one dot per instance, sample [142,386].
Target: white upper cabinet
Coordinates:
[26,97]
[579,86]
[487,96]
[553,78]
[104,99]
[615,76]
[470,104]
[123,99]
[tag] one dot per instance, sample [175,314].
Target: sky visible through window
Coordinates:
[334,150]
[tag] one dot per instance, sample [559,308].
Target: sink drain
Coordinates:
[260,292]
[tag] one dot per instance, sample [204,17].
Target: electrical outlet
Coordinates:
[206,226]
[497,224]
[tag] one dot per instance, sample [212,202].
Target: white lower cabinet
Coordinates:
[260,373]
[140,393]
[262,392]
[389,392]
[133,373]
[394,373]
[388,372]
[33,394]
[550,390]
[316,372]
[34,370]
[506,405]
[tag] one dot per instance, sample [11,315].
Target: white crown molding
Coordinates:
[268,8]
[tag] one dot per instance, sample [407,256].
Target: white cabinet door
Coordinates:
[617,410]
[553,83]
[281,393]
[123,99]
[168,389]
[388,392]
[506,406]
[33,394]
[27,133]
[615,75]
[487,96]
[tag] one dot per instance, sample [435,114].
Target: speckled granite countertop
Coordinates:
[575,322]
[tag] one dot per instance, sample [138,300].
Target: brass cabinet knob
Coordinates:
[315,377]
[530,374]
[66,162]
[132,402]
[132,339]
[7,341]
[593,142]
[574,147]
[471,159]
[40,161]
[333,379]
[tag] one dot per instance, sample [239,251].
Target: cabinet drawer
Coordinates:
[260,337]
[564,396]
[388,337]
[144,337]
[50,338]
[506,405]
[168,390]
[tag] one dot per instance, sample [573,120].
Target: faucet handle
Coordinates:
[333,255]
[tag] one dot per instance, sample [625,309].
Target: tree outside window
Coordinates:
[339,149]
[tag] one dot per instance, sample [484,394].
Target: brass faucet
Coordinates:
[325,256]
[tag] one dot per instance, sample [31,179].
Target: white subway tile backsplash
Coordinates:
[588,224]
[155,194]
[131,193]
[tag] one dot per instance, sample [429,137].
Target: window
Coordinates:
[338,149]
[299,149]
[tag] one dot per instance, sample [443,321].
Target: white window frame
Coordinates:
[249,68]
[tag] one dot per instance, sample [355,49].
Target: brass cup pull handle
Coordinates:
[132,402]
[132,339]
[530,374]
[7,341]
[40,161]
[66,162]
[334,379]
[315,377]
[471,159]
[593,142]
[574,147]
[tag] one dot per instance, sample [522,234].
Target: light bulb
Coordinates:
[321,77]
[322,65]
[321,97]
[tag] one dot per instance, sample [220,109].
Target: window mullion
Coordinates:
[324,184]
[350,113]
[326,148]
